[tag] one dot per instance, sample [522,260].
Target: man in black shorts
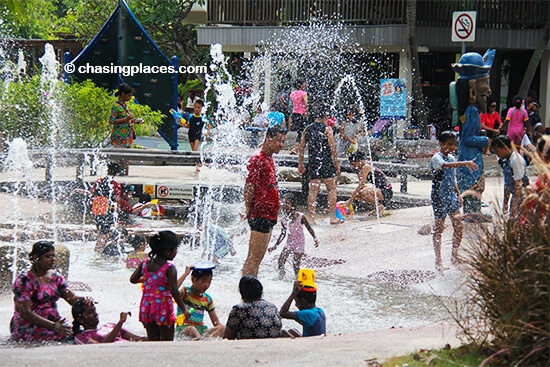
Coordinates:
[261,197]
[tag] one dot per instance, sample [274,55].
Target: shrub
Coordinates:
[81,112]
[508,284]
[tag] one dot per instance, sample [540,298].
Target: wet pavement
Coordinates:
[371,249]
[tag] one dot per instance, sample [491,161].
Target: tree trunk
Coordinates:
[535,60]
[419,110]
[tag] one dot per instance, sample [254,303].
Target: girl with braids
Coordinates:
[85,330]
[160,287]
[36,293]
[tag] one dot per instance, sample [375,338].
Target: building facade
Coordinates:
[513,28]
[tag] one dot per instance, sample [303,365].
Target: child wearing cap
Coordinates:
[312,318]
[198,302]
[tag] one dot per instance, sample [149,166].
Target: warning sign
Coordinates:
[149,189]
[464,26]
[174,191]
[163,191]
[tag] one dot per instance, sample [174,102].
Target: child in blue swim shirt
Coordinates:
[311,317]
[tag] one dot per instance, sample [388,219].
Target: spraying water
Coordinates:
[354,302]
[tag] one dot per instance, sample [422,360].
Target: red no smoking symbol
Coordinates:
[464,26]
[163,191]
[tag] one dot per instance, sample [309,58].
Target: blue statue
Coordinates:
[472,89]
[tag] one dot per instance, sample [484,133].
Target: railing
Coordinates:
[289,12]
[496,14]
[491,14]
[83,158]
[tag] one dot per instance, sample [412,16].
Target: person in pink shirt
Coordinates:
[293,222]
[85,326]
[299,112]
[517,121]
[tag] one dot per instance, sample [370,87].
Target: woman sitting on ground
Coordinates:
[255,317]
[36,293]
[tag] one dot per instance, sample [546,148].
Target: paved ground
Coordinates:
[383,246]
[355,349]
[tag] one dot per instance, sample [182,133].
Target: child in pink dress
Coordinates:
[160,288]
[295,243]
[86,330]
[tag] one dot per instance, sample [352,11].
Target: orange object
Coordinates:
[100,205]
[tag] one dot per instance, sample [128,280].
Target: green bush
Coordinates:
[71,116]
[508,299]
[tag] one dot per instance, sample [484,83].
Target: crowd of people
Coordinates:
[516,141]
[37,290]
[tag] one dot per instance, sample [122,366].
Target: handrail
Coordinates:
[491,14]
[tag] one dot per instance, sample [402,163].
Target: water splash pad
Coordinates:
[352,300]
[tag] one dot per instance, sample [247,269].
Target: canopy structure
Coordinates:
[124,46]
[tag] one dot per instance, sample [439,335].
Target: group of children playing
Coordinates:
[161,289]
[447,199]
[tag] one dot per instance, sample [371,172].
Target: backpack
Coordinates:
[100,201]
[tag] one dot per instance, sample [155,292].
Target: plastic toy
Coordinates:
[343,211]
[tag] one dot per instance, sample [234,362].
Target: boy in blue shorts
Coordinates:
[513,169]
[311,317]
[446,199]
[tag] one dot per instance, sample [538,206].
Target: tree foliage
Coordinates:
[80,109]
[30,18]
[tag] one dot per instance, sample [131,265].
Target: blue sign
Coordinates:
[393,98]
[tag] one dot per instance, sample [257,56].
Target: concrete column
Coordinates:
[267,79]
[405,71]
[544,96]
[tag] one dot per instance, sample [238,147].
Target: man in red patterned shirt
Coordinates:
[261,198]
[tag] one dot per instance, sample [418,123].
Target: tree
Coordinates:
[419,109]
[28,19]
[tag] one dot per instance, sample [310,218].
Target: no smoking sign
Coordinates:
[464,26]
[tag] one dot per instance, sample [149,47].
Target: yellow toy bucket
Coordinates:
[307,279]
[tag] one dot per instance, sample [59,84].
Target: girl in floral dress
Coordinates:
[160,289]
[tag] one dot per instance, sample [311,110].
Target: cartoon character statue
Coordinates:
[472,89]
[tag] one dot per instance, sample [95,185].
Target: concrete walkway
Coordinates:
[356,349]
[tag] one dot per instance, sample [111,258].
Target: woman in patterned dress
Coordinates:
[36,293]
[254,318]
[122,133]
